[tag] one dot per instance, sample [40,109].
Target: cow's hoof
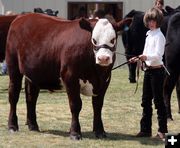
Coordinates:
[33,128]
[13,129]
[100,135]
[76,137]
[132,81]
[169,119]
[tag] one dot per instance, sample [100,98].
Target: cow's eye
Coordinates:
[94,41]
[112,41]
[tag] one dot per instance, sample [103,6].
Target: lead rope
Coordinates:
[139,64]
[143,66]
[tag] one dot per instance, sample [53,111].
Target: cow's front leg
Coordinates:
[75,103]
[98,127]
[31,98]
[97,102]
[75,106]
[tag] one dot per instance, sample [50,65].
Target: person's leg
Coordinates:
[157,83]
[145,123]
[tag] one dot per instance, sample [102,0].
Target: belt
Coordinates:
[155,67]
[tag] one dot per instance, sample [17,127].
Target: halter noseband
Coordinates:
[96,48]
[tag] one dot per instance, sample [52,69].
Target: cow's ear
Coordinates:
[169,9]
[85,24]
[119,26]
[56,13]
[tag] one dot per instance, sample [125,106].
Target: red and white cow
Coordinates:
[51,52]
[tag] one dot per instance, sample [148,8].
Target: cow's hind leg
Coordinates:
[178,93]
[14,91]
[132,72]
[32,92]
[169,84]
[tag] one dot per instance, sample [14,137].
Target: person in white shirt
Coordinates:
[154,75]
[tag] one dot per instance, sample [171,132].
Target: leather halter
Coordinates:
[96,48]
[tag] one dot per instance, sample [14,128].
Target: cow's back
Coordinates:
[42,46]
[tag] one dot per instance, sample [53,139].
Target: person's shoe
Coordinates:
[160,136]
[143,134]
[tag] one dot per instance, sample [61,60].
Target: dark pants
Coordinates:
[153,89]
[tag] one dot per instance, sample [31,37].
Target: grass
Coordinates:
[121,116]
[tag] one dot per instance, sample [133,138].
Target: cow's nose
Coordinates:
[103,59]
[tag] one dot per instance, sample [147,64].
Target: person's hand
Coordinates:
[142,57]
[133,59]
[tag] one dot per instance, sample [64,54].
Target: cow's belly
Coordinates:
[53,82]
[45,82]
[44,74]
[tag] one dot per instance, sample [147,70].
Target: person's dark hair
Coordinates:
[160,1]
[153,14]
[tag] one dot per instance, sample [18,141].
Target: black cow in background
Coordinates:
[172,57]
[47,11]
[133,38]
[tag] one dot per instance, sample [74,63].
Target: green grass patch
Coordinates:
[121,116]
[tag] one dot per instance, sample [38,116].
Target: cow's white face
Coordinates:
[104,41]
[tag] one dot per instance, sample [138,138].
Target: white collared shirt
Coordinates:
[154,47]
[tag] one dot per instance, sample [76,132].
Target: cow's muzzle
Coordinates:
[104,54]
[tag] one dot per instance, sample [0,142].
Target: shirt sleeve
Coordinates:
[159,49]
